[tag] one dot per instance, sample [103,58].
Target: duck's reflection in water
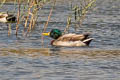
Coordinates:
[58,51]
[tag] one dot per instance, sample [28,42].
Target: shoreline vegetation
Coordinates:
[28,14]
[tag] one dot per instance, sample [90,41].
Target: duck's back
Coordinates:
[73,37]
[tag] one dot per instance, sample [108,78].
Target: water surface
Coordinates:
[24,58]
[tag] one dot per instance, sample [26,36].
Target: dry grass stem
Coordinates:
[9,29]
[45,26]
[68,24]
[18,15]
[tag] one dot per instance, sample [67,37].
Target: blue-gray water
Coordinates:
[24,58]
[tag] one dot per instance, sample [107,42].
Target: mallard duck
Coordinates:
[7,18]
[68,39]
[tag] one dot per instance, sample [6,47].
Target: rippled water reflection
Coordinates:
[24,58]
[60,64]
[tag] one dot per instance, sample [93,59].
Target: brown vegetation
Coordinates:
[29,15]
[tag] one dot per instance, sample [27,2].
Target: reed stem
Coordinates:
[46,25]
[18,15]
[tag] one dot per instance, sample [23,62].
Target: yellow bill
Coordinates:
[46,34]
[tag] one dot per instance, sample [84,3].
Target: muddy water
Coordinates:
[24,58]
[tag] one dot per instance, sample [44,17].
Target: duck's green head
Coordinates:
[54,33]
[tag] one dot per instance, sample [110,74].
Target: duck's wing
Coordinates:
[73,37]
[85,42]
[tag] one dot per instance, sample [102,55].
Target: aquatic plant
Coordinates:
[27,13]
[81,10]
